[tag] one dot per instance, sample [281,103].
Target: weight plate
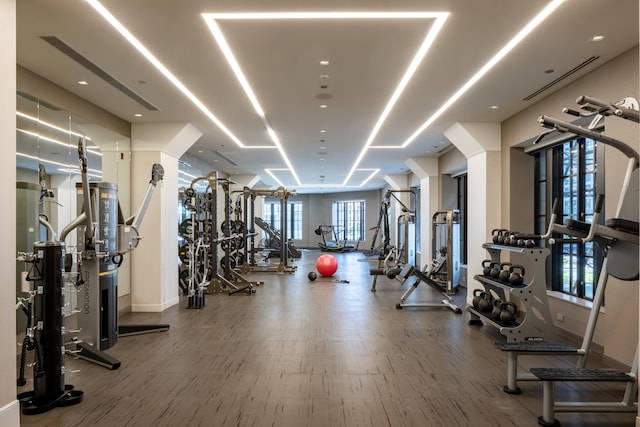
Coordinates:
[183,253]
[227,260]
[185,228]
[240,258]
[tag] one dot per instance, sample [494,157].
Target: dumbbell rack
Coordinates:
[534,322]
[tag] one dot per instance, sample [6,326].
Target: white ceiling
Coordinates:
[280,59]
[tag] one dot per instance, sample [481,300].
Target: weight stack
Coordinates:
[49,389]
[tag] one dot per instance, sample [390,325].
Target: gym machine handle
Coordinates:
[157,173]
[594,221]
[559,125]
[87,215]
[589,103]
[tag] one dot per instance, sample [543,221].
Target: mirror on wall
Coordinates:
[48,169]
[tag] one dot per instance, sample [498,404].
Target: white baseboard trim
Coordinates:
[10,414]
[154,308]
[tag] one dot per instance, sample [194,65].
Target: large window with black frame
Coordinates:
[571,173]
[271,215]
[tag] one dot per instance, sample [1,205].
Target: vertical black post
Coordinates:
[49,389]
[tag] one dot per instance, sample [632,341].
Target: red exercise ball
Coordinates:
[327,265]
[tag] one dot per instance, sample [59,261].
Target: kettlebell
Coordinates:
[476,297]
[504,272]
[495,313]
[495,270]
[508,313]
[496,233]
[484,305]
[516,275]
[486,267]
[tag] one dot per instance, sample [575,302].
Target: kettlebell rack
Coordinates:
[533,323]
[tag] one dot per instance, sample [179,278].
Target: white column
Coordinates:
[427,171]
[154,264]
[9,406]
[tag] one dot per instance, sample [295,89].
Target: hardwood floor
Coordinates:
[300,353]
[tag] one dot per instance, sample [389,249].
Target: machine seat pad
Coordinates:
[536,347]
[581,374]
[623,225]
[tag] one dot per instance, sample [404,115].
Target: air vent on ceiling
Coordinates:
[76,56]
[562,77]
[225,157]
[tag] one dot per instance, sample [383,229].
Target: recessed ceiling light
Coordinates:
[597,38]
[322,131]
[322,147]
[199,151]
[323,105]
[324,62]
[138,115]
[494,107]
[83,82]
[324,77]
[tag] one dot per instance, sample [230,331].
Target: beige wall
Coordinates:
[611,81]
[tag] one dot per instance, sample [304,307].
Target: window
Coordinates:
[568,172]
[272,216]
[349,220]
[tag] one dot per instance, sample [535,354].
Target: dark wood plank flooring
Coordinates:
[300,353]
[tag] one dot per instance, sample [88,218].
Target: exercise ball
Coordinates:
[327,265]
[312,276]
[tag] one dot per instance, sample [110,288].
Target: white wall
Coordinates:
[9,408]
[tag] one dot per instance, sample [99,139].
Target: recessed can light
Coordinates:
[322,131]
[494,107]
[324,62]
[324,77]
[83,82]
[323,105]
[138,115]
[597,38]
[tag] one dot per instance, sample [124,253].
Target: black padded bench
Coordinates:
[549,406]
[537,348]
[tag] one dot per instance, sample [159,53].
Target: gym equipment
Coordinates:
[486,267]
[312,276]
[328,245]
[508,312]
[619,238]
[504,273]
[443,273]
[327,265]
[497,309]
[103,241]
[44,309]
[477,297]
[485,303]
[516,278]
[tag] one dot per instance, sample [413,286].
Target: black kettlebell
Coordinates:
[486,267]
[496,234]
[476,297]
[516,275]
[504,272]
[495,270]
[508,313]
[484,305]
[495,313]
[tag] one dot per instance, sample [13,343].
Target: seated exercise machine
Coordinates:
[619,239]
[443,273]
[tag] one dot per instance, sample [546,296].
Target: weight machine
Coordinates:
[277,240]
[205,271]
[391,258]
[104,237]
[618,237]
[443,272]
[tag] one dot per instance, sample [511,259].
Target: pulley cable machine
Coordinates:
[103,241]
